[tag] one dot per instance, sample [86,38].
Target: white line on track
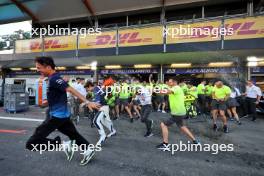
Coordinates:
[21,119]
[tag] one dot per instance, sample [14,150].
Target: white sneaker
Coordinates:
[164,112]
[113,133]
[158,110]
[68,149]
[87,156]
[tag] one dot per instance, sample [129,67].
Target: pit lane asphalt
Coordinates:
[130,154]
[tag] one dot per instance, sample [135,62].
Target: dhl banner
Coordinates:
[141,36]
[242,28]
[251,27]
[25,46]
[61,43]
[127,37]
[104,40]
[193,32]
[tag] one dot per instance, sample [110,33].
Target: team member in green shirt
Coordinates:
[124,99]
[220,95]
[135,103]
[184,87]
[191,101]
[192,90]
[178,113]
[110,100]
[208,89]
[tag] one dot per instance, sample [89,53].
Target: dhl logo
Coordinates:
[48,44]
[132,37]
[244,28]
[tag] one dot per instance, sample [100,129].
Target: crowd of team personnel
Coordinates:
[209,98]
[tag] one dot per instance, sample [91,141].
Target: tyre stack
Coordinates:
[15,98]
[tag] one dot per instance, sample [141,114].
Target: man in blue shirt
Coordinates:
[59,114]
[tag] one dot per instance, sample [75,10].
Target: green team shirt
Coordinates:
[208,90]
[110,101]
[124,94]
[133,89]
[222,92]
[90,95]
[201,89]
[184,88]
[176,99]
[193,91]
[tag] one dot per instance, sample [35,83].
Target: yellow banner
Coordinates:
[62,43]
[194,32]
[141,36]
[127,37]
[103,40]
[26,46]
[243,28]
[251,27]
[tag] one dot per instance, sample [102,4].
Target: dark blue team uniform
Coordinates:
[57,97]
[99,97]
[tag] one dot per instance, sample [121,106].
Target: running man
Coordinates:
[220,95]
[59,114]
[102,117]
[178,113]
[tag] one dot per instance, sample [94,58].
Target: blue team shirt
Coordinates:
[99,96]
[57,97]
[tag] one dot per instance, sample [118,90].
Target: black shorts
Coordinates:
[208,99]
[166,98]
[117,101]
[136,102]
[175,119]
[232,102]
[160,99]
[216,105]
[124,102]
